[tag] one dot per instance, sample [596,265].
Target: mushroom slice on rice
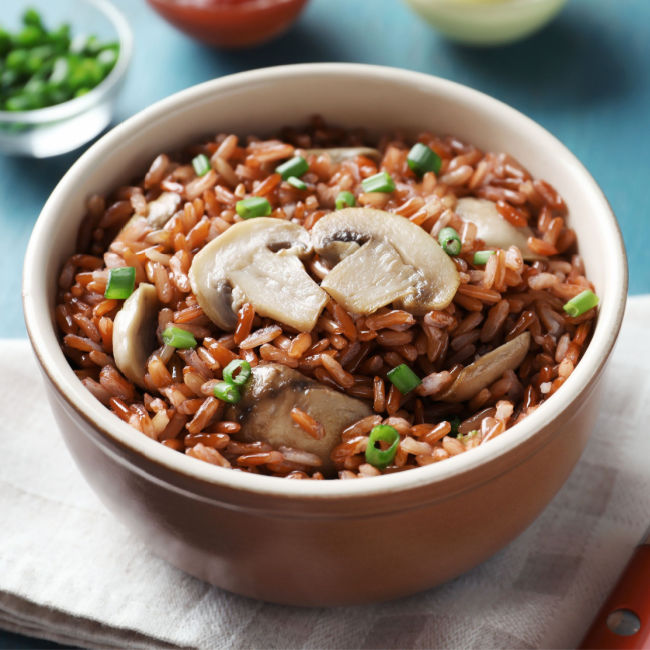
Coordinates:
[258,261]
[381,258]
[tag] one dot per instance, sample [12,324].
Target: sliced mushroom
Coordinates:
[134,332]
[264,411]
[492,228]
[372,277]
[258,261]
[162,209]
[487,369]
[339,154]
[382,258]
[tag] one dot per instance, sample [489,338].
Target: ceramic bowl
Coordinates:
[321,542]
[231,25]
[487,22]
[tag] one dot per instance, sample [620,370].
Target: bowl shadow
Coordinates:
[301,44]
[575,61]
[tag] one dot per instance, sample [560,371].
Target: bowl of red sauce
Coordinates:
[230,23]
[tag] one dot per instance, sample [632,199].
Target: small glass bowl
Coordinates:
[57,129]
[486,22]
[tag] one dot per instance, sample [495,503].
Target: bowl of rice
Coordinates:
[288,336]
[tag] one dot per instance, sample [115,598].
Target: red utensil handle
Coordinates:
[627,608]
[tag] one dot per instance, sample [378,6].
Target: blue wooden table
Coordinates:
[586,78]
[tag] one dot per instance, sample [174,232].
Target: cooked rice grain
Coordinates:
[494,303]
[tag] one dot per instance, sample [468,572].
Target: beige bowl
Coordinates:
[334,542]
[487,22]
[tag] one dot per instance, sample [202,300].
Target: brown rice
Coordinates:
[493,304]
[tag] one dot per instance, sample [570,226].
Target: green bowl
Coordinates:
[487,22]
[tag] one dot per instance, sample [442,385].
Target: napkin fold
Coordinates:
[69,572]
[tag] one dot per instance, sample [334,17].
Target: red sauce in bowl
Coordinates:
[230,23]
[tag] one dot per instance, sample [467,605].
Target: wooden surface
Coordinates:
[586,78]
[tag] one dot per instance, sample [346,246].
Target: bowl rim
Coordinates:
[44,340]
[212,8]
[77,105]
[483,6]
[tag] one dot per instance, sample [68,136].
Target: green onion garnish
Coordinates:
[296,182]
[227,392]
[403,378]
[467,436]
[254,206]
[422,159]
[296,166]
[449,239]
[481,257]
[28,58]
[201,164]
[178,338]
[121,282]
[454,423]
[344,200]
[381,182]
[237,372]
[581,303]
[381,458]
[32,17]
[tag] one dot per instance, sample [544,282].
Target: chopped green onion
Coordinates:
[89,73]
[450,241]
[422,159]
[8,78]
[29,36]
[60,37]
[296,182]
[121,282]
[41,67]
[454,423]
[201,164]
[39,61]
[344,200]
[32,17]
[581,303]
[481,257]
[5,41]
[227,392]
[254,206]
[403,378]
[381,458]
[235,378]
[468,436]
[78,43]
[296,166]
[107,58]
[59,71]
[381,182]
[17,60]
[20,103]
[178,338]
[92,45]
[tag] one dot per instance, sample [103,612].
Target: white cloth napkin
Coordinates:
[71,573]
